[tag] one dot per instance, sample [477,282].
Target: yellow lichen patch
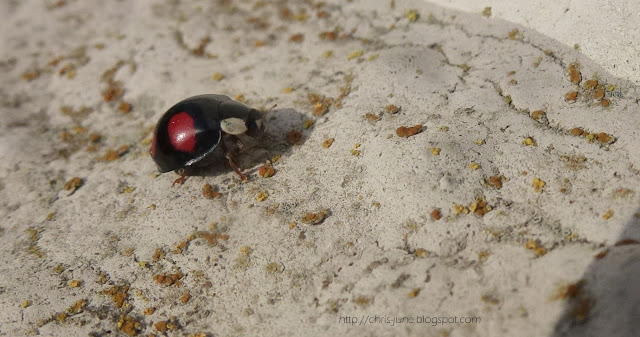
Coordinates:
[574,73]
[605,102]
[218,77]
[246,250]
[414,292]
[486,12]
[373,57]
[590,84]
[480,207]
[411,15]
[149,311]
[262,196]
[77,307]
[327,143]
[421,253]
[25,304]
[480,141]
[571,97]
[474,166]
[354,54]
[327,54]
[538,184]
[529,142]
[287,90]
[435,151]
[608,214]
[74,283]
[538,250]
[307,124]
[514,34]
[483,255]
[459,209]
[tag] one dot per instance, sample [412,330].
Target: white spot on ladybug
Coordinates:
[233,126]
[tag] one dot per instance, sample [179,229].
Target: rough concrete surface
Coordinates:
[510,209]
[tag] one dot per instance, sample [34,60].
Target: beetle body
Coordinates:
[189,132]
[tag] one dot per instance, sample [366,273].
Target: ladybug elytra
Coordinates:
[189,132]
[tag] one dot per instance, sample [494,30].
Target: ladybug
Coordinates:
[189,132]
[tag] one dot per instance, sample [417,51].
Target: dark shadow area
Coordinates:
[256,151]
[606,302]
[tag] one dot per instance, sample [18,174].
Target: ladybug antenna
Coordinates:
[267,112]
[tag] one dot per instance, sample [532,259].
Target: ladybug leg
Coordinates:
[233,165]
[182,179]
[239,143]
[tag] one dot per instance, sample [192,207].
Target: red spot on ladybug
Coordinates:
[182,133]
[153,146]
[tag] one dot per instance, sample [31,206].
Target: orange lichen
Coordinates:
[392,109]
[315,218]
[210,192]
[436,214]
[297,38]
[604,138]
[571,97]
[577,131]
[266,170]
[124,107]
[574,73]
[294,136]
[119,294]
[168,279]
[538,114]
[599,93]
[590,84]
[73,184]
[496,181]
[405,132]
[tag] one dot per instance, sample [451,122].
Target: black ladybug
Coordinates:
[188,133]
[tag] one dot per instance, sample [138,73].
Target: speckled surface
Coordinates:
[511,205]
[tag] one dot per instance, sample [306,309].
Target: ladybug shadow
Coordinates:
[257,151]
